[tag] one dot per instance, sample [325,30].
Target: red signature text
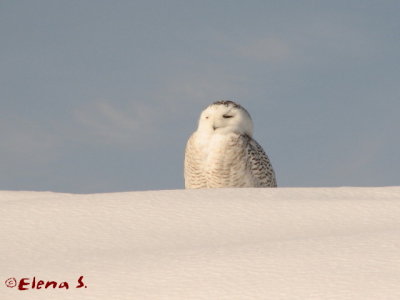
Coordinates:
[37,284]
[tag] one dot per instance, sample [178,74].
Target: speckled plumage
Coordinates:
[222,152]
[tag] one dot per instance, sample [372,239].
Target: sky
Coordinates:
[101,96]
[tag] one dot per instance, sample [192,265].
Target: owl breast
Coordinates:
[225,164]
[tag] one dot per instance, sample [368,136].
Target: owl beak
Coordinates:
[213,125]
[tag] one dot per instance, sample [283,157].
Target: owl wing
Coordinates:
[259,165]
[194,166]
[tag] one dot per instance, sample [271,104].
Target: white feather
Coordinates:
[222,152]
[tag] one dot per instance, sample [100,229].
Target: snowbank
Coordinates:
[285,243]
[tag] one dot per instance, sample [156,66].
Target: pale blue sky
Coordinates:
[101,96]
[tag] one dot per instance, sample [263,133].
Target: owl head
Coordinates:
[223,117]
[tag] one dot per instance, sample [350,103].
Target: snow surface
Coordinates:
[285,243]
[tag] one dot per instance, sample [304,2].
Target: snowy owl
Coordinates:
[222,152]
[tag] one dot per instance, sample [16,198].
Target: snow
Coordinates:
[284,243]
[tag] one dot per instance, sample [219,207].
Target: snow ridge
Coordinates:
[284,243]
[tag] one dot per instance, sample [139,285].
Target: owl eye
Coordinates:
[227,116]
